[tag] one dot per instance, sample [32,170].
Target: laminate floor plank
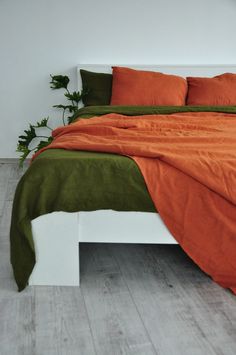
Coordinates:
[115,323]
[95,259]
[5,265]
[5,221]
[5,173]
[18,172]
[11,187]
[62,326]
[214,310]
[17,325]
[175,317]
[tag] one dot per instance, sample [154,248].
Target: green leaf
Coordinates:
[72,118]
[64,107]
[30,134]
[71,108]
[43,144]
[59,82]
[74,97]
[42,123]
[25,152]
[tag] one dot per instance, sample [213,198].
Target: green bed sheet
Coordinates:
[70,181]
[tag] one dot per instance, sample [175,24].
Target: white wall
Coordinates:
[39,37]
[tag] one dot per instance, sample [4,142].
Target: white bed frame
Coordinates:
[57,235]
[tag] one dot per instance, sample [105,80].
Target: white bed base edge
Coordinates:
[57,236]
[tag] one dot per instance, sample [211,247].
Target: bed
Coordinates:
[126,215]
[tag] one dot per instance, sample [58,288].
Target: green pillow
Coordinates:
[99,86]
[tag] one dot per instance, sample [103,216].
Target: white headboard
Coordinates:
[181,70]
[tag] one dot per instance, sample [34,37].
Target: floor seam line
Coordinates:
[123,277]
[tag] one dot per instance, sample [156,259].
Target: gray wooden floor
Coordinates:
[133,299]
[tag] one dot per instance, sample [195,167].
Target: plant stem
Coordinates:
[63,117]
[70,94]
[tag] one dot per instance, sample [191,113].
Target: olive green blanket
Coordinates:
[70,181]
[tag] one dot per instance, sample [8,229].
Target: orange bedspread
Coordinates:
[188,161]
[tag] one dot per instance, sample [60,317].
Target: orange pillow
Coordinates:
[217,91]
[146,88]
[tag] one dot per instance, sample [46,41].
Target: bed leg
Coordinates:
[57,250]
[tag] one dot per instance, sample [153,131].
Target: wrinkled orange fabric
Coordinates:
[217,91]
[188,161]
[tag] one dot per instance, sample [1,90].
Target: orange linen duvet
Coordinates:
[188,161]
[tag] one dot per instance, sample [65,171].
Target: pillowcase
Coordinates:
[146,88]
[99,86]
[217,91]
